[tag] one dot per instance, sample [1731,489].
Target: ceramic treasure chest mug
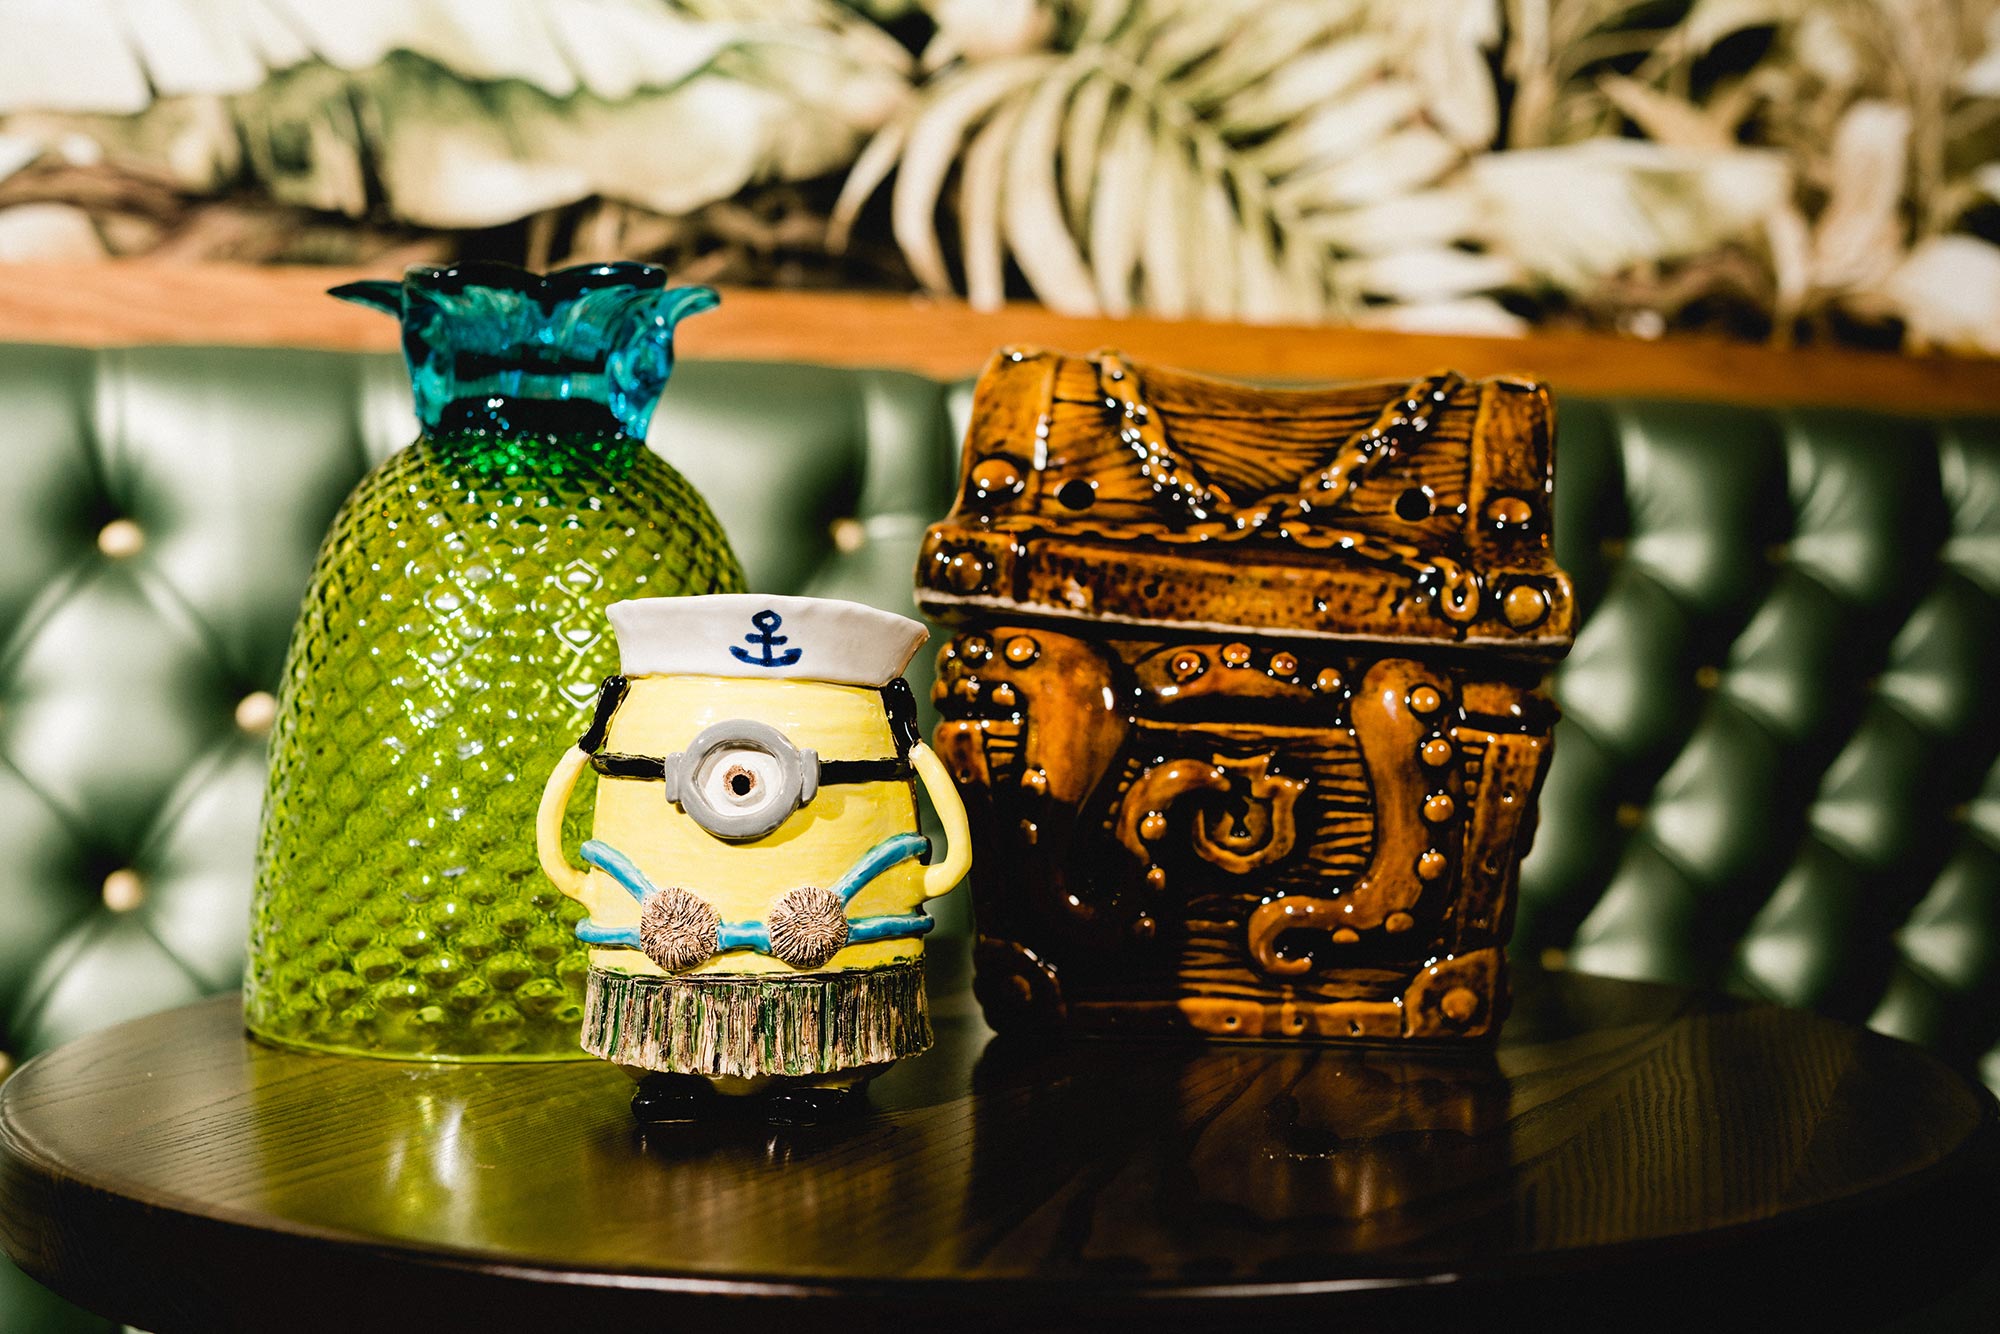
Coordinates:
[1244,695]
[756,878]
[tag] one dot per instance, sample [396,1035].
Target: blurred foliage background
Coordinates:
[1784,170]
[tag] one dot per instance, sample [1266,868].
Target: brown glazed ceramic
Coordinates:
[1244,696]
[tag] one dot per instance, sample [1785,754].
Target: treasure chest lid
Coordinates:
[1095,488]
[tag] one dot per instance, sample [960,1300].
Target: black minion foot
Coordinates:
[810,1105]
[671,1099]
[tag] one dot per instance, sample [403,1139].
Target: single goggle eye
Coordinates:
[741,779]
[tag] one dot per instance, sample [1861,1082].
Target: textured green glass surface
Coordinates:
[451,644]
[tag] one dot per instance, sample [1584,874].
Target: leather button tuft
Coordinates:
[256,711]
[6,1066]
[124,890]
[849,535]
[121,538]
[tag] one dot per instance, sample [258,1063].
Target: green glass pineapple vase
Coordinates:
[453,632]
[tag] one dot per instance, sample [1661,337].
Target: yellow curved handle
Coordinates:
[940,877]
[549,822]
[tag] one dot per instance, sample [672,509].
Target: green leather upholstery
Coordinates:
[1778,769]
[122,672]
[1777,765]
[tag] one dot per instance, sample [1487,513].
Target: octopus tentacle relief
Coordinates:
[1244,695]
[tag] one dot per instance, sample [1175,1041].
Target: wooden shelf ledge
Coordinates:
[136,303]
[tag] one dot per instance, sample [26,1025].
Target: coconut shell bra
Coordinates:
[739,780]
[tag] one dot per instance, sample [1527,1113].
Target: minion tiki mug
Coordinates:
[756,880]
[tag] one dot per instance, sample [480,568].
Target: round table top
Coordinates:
[1626,1148]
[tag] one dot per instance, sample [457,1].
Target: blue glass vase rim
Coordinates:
[550,289]
[473,383]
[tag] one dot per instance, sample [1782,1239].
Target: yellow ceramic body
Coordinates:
[754,886]
[743,881]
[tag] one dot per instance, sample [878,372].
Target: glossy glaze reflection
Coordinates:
[1245,695]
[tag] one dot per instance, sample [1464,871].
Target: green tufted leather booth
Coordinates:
[1779,769]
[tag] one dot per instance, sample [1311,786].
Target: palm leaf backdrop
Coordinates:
[1196,157]
[1777,168]
[413,118]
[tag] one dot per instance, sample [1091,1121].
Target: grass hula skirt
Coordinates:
[757,1024]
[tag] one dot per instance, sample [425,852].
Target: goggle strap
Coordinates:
[609,696]
[865,771]
[897,700]
[628,766]
[901,705]
[830,771]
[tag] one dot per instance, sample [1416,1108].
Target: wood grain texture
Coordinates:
[1628,1152]
[128,303]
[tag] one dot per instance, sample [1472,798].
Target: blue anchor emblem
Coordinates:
[767,638]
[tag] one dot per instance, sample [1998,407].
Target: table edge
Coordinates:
[26,1169]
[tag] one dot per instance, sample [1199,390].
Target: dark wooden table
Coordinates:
[1630,1152]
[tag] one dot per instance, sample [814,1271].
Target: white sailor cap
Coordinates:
[760,636]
